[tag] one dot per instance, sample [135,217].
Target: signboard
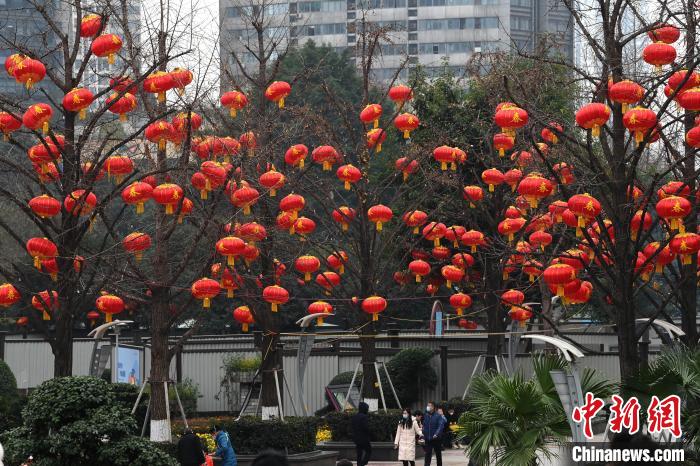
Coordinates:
[127,365]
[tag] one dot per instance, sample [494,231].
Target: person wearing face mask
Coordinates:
[452,419]
[405,440]
[433,426]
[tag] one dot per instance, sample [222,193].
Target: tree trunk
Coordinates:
[495,323]
[271,362]
[370,388]
[160,364]
[62,345]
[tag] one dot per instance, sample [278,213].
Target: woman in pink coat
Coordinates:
[406,434]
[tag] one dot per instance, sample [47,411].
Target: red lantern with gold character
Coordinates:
[451,274]
[558,275]
[121,105]
[168,195]
[666,33]
[8,295]
[674,209]
[685,245]
[445,155]
[419,268]
[106,45]
[406,122]
[344,215]
[400,94]
[230,247]
[29,72]
[534,187]
[9,124]
[550,136]
[181,78]
[473,239]
[371,114]
[512,298]
[38,117]
[296,155]
[307,265]
[406,166]
[639,121]
[90,25]
[585,207]
[510,226]
[78,100]
[510,118]
[460,301]
[138,194]
[277,92]
[159,83]
[45,302]
[244,198]
[415,219]
[375,138]
[160,132]
[473,194]
[349,174]
[434,231]
[492,177]
[328,280]
[661,257]
[337,261]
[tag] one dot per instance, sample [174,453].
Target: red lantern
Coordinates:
[276,296]
[122,83]
[415,219]
[626,93]
[328,280]
[510,226]
[45,302]
[534,188]
[680,82]
[344,215]
[230,247]
[503,142]
[550,136]
[244,198]
[379,214]
[660,258]
[564,173]
[337,261]
[205,289]
[41,249]
[304,226]
[119,166]
[160,132]
[109,305]
[349,174]
[374,305]
[520,315]
[320,307]
[137,194]
[445,155]
[185,121]
[473,239]
[665,33]
[440,253]
[467,324]
[234,101]
[639,121]
[159,83]
[462,260]
[400,94]
[593,116]
[451,274]
[168,195]
[371,114]
[685,245]
[512,298]
[512,178]
[80,202]
[78,100]
[454,233]
[181,78]
[510,118]
[640,221]
[375,138]
[433,231]
[249,141]
[8,295]
[558,275]
[406,122]
[406,166]
[296,155]
[325,155]
[90,25]
[137,243]
[277,92]
[307,265]
[460,301]
[532,269]
[9,124]
[540,239]
[29,72]
[92,316]
[585,207]
[492,177]
[243,316]
[419,268]
[106,45]
[659,54]
[121,105]
[675,209]
[38,116]
[45,206]
[473,194]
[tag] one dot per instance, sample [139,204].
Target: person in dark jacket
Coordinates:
[433,427]
[189,450]
[224,449]
[360,434]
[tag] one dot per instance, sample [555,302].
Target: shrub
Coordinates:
[382,426]
[189,393]
[10,400]
[234,364]
[125,395]
[251,435]
[410,371]
[344,378]
[66,422]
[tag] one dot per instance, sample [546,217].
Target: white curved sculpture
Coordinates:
[567,349]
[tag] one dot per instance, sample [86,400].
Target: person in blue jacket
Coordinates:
[433,426]
[224,449]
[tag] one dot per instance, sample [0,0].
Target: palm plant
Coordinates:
[675,372]
[512,420]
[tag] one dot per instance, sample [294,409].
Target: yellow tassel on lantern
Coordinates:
[347,186]
[301,163]
[29,84]
[122,117]
[203,194]
[460,311]
[291,230]
[232,112]
[319,321]
[490,188]
[82,114]
[418,278]
[206,303]
[436,242]
[246,210]
[453,166]
[45,127]
[108,318]
[379,226]
[110,59]
[161,144]
[273,192]
[473,248]
[405,176]
[45,316]
[448,283]
[595,131]
[281,103]
[231,261]
[139,256]
[472,205]
[560,290]
[37,262]
[273,307]
[443,166]
[501,152]
[406,134]
[379,148]
[244,327]
[161,97]
[505,275]
[326,166]
[229,293]
[168,209]
[344,226]
[375,317]
[376,123]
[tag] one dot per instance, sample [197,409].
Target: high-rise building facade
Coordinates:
[426,32]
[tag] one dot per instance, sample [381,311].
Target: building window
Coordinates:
[378,4]
[519,23]
[457,23]
[413,49]
[323,29]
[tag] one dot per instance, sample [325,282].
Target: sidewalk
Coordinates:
[453,457]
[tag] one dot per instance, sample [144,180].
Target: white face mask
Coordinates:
[405,416]
[428,409]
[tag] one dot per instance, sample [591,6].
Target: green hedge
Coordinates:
[11,402]
[382,426]
[251,435]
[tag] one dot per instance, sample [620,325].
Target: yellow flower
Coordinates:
[323,434]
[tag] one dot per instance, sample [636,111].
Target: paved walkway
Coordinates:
[453,457]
